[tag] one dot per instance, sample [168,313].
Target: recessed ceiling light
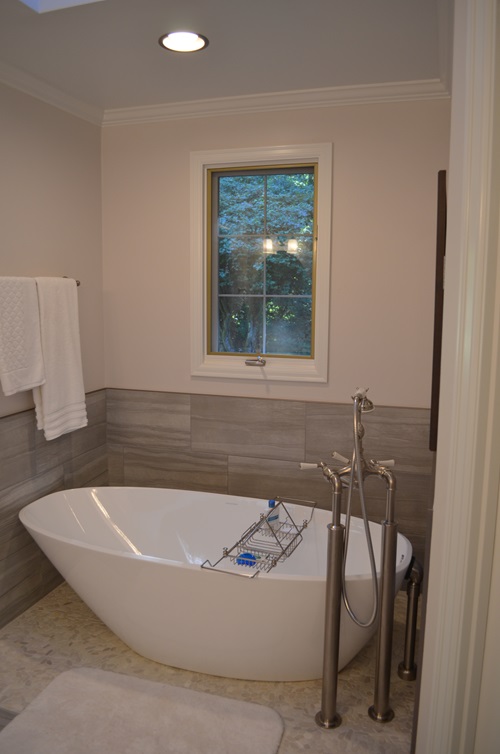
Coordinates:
[183,41]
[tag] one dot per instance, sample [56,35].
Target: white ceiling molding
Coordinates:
[292,100]
[253,103]
[48,94]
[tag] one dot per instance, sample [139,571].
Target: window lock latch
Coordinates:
[258,362]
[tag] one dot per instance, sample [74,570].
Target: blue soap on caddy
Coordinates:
[246,559]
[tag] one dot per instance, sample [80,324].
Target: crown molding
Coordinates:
[402,91]
[39,89]
[291,100]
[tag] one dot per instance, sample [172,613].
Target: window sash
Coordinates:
[214,237]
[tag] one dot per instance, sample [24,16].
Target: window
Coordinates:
[260,254]
[261,258]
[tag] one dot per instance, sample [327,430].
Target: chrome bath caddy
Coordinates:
[265,543]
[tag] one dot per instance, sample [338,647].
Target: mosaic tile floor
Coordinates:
[60,632]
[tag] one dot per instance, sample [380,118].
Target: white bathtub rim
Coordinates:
[274,573]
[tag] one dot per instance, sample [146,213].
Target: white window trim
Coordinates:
[231,366]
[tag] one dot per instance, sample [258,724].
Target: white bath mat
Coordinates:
[88,711]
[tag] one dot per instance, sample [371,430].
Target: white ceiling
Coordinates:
[105,55]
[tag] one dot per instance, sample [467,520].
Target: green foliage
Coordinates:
[240,324]
[288,330]
[265,299]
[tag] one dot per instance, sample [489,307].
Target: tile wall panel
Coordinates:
[328,428]
[116,467]
[267,478]
[398,433]
[248,427]
[17,444]
[179,469]
[240,446]
[30,468]
[148,419]
[252,447]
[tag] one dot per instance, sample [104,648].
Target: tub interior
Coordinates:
[187,528]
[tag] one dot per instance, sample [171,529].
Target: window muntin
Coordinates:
[261,248]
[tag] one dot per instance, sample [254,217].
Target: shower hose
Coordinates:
[357,476]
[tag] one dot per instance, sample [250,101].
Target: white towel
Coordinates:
[21,362]
[60,402]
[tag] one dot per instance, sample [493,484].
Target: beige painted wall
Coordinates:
[50,213]
[386,159]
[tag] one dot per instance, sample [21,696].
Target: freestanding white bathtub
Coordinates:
[134,557]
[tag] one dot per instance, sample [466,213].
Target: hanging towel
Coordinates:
[21,362]
[60,402]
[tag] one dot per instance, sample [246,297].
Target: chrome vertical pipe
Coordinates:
[328,716]
[381,710]
[407,669]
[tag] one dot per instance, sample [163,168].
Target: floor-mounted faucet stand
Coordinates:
[381,710]
[328,716]
[352,475]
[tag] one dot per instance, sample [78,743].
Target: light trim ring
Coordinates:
[183,41]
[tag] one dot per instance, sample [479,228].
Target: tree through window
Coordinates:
[262,260]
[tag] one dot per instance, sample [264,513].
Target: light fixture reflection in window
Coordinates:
[292,246]
[268,246]
[183,41]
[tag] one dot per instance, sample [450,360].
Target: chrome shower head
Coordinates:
[365,404]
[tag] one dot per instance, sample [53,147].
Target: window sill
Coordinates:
[234,367]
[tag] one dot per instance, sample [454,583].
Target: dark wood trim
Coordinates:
[438,307]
